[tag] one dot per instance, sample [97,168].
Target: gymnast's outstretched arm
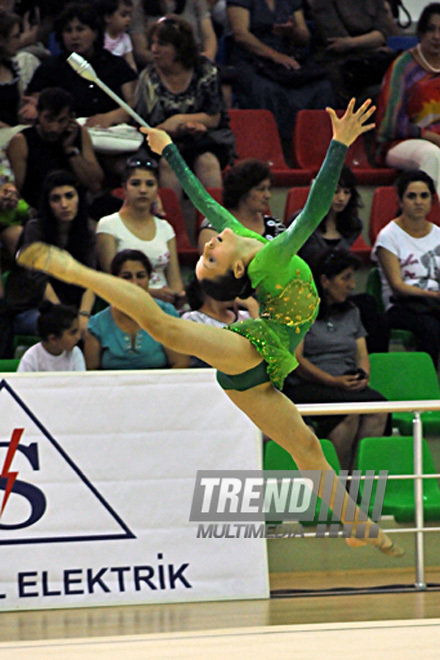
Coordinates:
[345,131]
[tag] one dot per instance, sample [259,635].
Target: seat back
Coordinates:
[400,42]
[277,458]
[374,287]
[256,136]
[385,207]
[395,454]
[295,201]
[404,376]
[9,365]
[174,215]
[217,194]
[311,136]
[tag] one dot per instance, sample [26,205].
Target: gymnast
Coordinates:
[252,357]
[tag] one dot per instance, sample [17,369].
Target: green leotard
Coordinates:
[283,282]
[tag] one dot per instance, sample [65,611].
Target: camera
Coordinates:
[360,373]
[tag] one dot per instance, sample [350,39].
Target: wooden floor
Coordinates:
[295,622]
[394,640]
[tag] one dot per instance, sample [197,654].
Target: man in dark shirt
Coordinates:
[56,141]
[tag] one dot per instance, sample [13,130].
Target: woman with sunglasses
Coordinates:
[252,357]
[136,226]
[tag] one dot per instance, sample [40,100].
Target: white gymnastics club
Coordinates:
[86,71]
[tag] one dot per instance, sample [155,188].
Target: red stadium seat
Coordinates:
[256,136]
[216,193]
[188,254]
[296,199]
[311,137]
[385,207]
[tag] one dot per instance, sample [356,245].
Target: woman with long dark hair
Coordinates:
[407,250]
[62,221]
[342,225]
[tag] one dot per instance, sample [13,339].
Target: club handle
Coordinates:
[121,103]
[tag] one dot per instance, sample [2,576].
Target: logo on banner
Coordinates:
[243,497]
[42,489]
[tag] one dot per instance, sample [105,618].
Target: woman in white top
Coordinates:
[136,227]
[408,252]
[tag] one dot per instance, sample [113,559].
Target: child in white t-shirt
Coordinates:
[58,327]
[117,18]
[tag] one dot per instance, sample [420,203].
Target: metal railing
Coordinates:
[415,407]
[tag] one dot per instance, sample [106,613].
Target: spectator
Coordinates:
[56,142]
[10,95]
[29,13]
[339,229]
[58,327]
[138,31]
[353,44]
[333,359]
[195,12]
[217,313]
[62,221]
[408,115]
[136,226]
[268,39]
[14,213]
[246,194]
[6,332]
[116,341]
[117,18]
[408,252]
[180,93]
[342,225]
[78,29]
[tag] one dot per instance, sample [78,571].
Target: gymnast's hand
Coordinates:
[347,128]
[156,138]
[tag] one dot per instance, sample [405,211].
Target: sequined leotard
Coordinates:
[282,281]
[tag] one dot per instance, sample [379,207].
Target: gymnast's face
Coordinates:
[220,254]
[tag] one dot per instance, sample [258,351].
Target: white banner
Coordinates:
[97,473]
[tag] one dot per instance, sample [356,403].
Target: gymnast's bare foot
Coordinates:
[48,259]
[382,543]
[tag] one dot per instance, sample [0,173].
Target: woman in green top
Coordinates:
[254,359]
